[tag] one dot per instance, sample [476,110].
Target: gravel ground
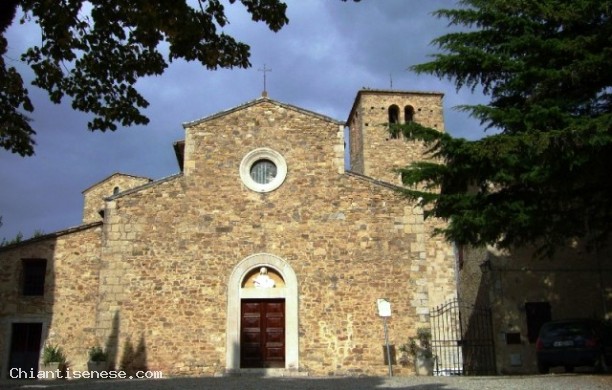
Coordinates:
[539,382]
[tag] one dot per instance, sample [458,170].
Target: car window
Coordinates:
[567,329]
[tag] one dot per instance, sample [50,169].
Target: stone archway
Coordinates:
[236,293]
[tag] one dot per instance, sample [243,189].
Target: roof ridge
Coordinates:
[256,101]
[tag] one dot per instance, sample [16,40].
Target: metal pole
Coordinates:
[388,349]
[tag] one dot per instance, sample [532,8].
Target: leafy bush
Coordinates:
[53,354]
[97,354]
[419,345]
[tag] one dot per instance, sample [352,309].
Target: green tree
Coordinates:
[543,177]
[94,52]
[16,240]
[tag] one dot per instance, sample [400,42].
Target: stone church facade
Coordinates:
[264,252]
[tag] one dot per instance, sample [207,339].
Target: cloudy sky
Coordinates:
[329,50]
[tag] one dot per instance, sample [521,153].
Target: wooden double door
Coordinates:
[262,333]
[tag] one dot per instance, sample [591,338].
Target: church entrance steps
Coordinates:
[266,372]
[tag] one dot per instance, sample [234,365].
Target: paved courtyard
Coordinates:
[539,382]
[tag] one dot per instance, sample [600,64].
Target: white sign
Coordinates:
[384,307]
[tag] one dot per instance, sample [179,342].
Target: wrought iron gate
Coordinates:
[462,339]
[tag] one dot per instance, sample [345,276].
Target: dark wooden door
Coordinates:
[25,346]
[262,341]
[538,313]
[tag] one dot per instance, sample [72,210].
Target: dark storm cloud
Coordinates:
[329,50]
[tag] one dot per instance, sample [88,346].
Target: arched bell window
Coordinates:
[408,114]
[394,114]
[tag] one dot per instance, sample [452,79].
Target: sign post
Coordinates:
[384,311]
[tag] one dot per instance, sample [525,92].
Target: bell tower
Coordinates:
[373,151]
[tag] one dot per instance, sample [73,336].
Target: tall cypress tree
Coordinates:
[545,176]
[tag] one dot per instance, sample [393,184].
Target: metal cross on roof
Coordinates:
[264,70]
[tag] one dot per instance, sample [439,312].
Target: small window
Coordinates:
[263,171]
[115,190]
[538,313]
[513,338]
[34,271]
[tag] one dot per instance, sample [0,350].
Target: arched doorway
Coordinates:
[274,300]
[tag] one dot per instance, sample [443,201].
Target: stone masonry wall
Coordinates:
[171,248]
[441,261]
[67,308]
[576,283]
[93,197]
[153,279]
[374,152]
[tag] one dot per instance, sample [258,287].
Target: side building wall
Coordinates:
[67,307]
[94,197]
[523,291]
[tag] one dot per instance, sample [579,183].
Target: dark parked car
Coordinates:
[573,343]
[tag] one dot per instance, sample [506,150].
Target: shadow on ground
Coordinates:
[240,383]
[252,382]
